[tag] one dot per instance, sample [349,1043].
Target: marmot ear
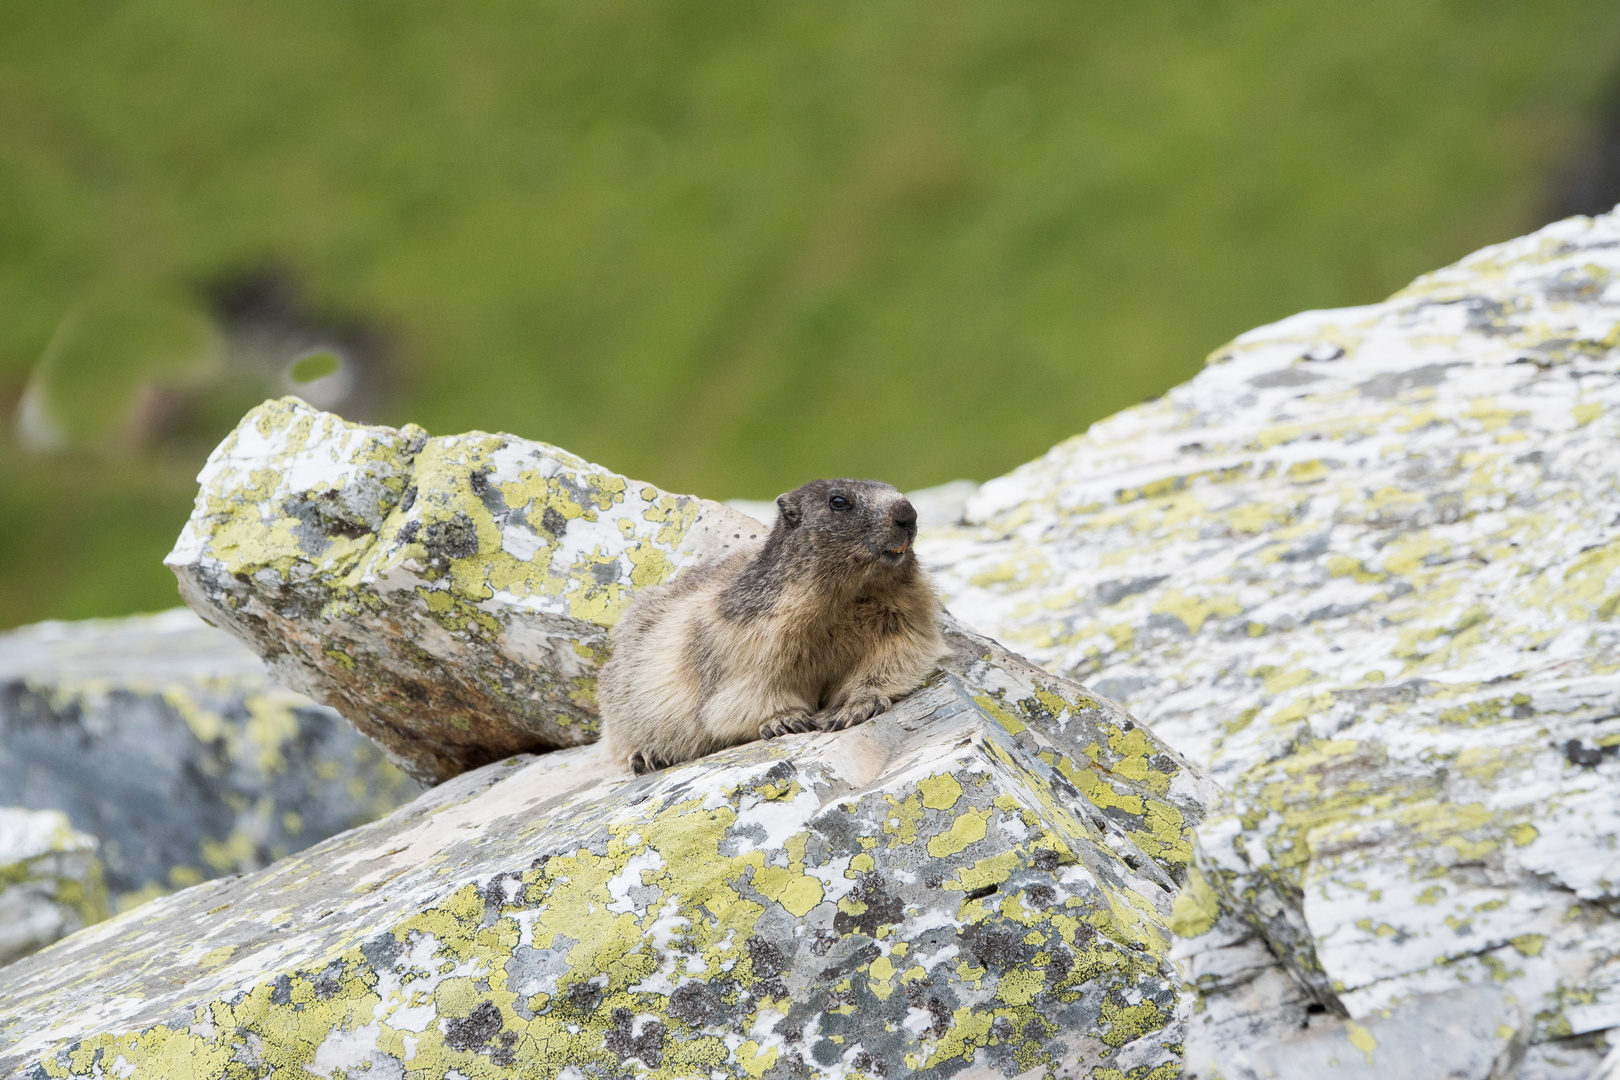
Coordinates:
[788,507]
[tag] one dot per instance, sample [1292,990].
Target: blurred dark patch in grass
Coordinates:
[726,247]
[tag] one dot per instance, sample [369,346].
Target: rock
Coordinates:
[166,744]
[1475,1033]
[450,596]
[1365,568]
[1578,1058]
[978,878]
[50,880]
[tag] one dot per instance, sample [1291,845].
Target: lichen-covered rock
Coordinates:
[166,742]
[50,880]
[1366,568]
[978,878]
[450,596]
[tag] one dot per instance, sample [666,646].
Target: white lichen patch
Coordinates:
[981,875]
[1364,568]
[450,596]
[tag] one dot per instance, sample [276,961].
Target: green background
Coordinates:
[727,247]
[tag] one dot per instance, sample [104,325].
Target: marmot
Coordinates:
[818,628]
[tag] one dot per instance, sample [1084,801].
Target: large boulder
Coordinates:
[165,748]
[975,883]
[1365,568]
[450,596]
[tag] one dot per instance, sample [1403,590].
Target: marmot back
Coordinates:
[819,628]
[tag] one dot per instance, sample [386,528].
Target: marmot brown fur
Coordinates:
[819,628]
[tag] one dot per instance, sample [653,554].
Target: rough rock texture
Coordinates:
[977,879]
[1366,568]
[1472,1033]
[166,742]
[450,596]
[50,880]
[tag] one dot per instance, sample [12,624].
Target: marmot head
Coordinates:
[849,526]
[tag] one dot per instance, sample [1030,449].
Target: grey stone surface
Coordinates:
[1576,1058]
[1473,1033]
[1609,1067]
[50,880]
[168,743]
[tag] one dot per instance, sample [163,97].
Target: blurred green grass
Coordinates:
[727,247]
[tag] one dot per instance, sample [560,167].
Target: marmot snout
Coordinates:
[819,628]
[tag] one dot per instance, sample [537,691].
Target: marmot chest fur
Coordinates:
[819,628]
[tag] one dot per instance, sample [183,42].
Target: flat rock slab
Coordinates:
[449,596]
[977,879]
[1365,568]
[170,749]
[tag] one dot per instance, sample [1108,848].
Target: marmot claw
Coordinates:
[855,712]
[787,724]
[642,762]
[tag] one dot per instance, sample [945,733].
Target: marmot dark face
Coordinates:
[850,525]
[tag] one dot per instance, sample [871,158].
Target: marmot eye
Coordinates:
[838,502]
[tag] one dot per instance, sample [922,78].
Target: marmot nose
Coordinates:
[904,515]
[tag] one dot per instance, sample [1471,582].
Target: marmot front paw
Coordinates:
[850,714]
[787,724]
[643,761]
